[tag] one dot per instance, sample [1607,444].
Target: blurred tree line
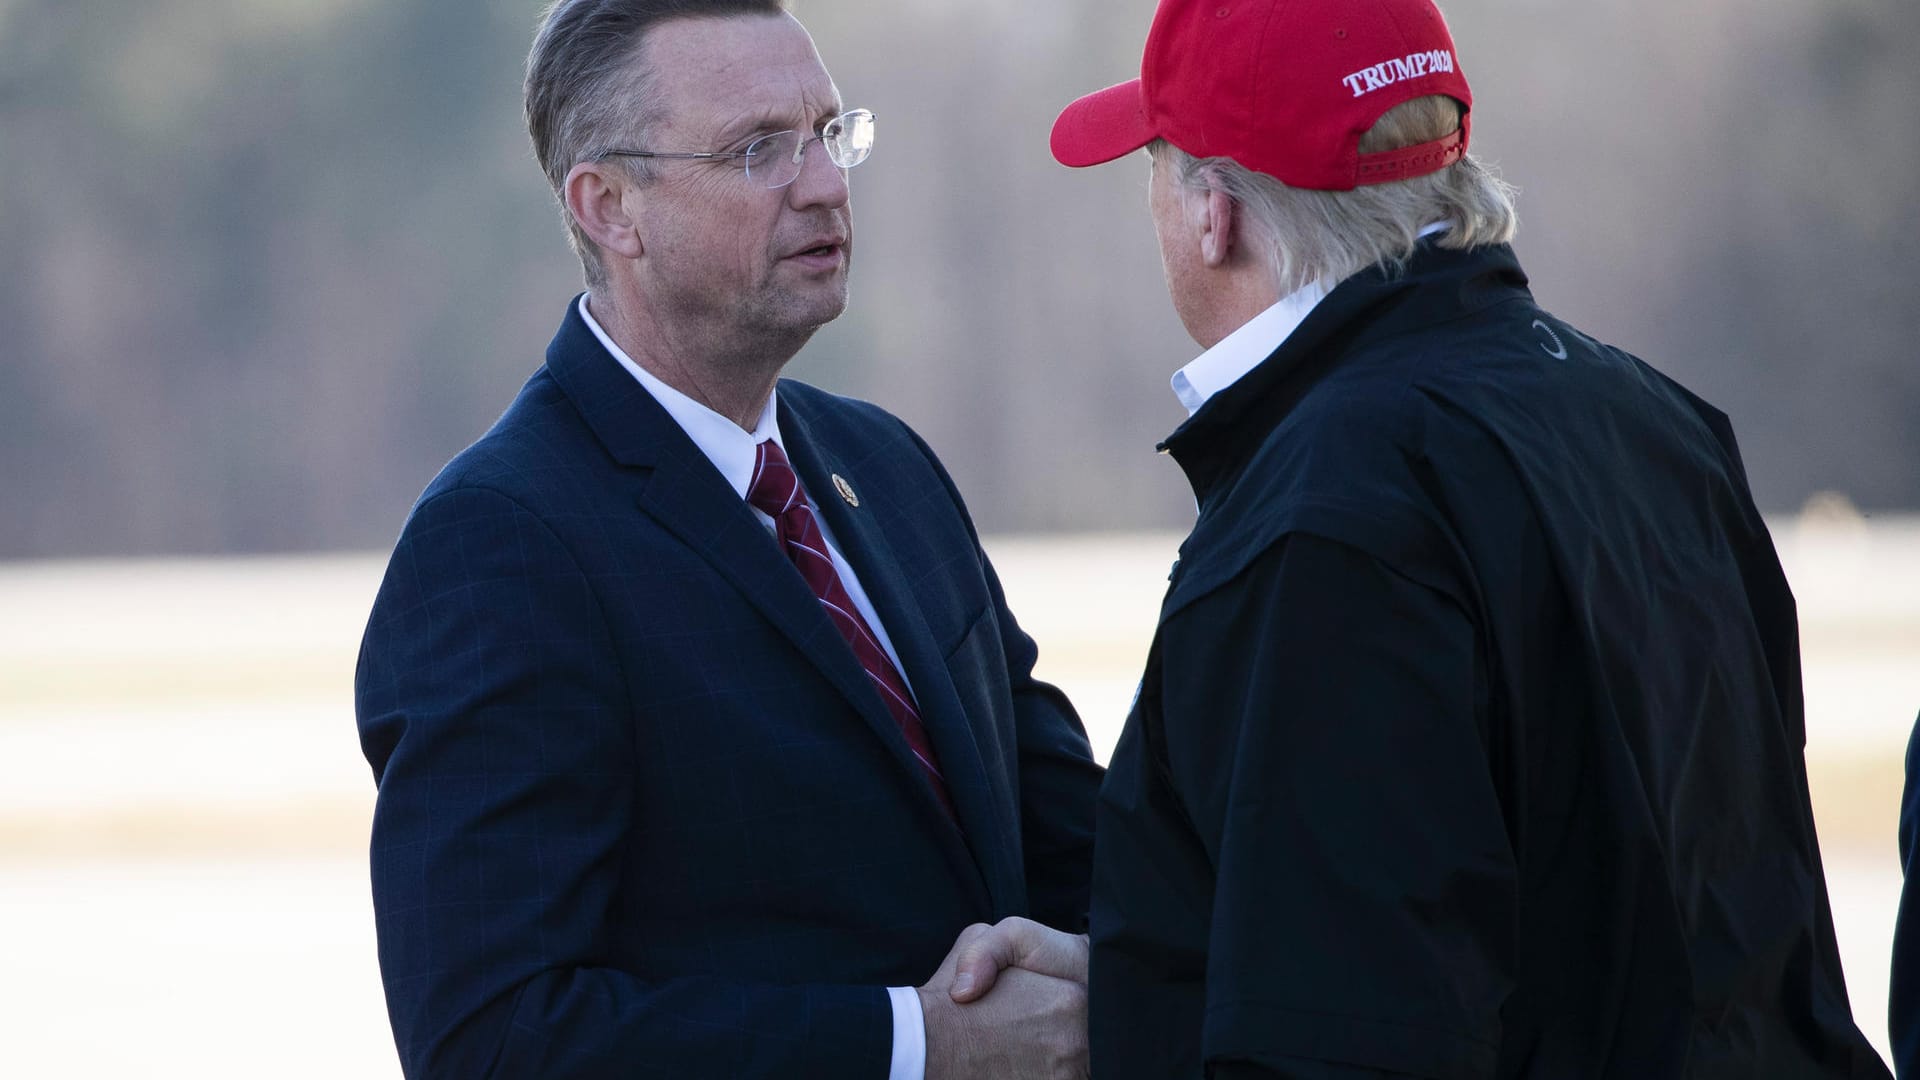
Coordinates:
[266,264]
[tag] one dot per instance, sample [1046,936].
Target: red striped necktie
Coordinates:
[775,490]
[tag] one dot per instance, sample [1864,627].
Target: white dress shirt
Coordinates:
[1241,351]
[733,451]
[1255,340]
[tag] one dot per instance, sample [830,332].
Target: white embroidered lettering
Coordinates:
[1379,76]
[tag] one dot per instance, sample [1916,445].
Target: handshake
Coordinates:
[1009,1001]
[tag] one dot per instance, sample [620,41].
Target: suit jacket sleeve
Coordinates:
[493,709]
[1058,776]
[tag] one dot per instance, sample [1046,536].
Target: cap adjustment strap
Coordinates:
[1412,161]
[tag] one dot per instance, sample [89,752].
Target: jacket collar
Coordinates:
[626,419]
[1436,285]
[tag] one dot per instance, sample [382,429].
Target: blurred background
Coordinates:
[266,264]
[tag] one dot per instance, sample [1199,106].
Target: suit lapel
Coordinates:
[984,813]
[688,497]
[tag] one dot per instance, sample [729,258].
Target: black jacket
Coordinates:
[1903,991]
[1470,743]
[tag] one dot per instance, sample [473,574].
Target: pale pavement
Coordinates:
[183,806]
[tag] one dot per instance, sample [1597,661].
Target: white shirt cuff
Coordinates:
[909,1035]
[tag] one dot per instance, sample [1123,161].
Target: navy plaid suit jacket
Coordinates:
[640,813]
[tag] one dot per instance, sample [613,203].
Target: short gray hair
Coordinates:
[586,92]
[1332,235]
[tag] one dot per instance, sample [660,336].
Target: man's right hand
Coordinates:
[1033,1023]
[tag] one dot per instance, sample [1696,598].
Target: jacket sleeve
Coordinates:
[1287,1068]
[1903,1009]
[1059,779]
[1364,909]
[1058,782]
[493,709]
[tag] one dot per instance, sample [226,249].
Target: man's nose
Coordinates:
[821,182]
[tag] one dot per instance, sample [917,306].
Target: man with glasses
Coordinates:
[704,738]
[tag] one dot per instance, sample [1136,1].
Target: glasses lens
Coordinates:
[849,138]
[774,160]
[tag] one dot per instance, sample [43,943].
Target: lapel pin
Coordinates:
[846,490]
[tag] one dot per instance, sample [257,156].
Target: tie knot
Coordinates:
[775,489]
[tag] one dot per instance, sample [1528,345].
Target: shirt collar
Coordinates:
[731,449]
[1256,339]
[1241,351]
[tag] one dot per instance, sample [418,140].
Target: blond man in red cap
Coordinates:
[1470,742]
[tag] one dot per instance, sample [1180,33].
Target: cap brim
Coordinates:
[1102,126]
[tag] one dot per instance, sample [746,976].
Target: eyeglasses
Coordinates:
[773,161]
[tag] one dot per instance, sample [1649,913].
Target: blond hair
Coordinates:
[1331,235]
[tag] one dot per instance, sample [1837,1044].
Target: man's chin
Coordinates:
[810,309]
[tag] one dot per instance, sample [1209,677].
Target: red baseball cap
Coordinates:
[1284,87]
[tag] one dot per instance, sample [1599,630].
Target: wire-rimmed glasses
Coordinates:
[774,160]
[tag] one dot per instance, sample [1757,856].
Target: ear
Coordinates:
[1216,213]
[595,194]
